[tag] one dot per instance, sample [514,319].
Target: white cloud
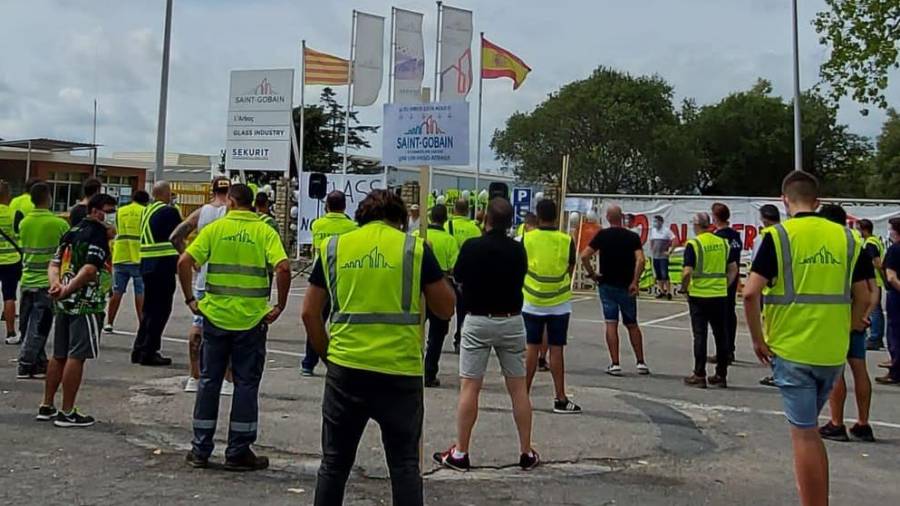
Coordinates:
[111,50]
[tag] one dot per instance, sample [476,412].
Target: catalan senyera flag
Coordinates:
[497,62]
[324,68]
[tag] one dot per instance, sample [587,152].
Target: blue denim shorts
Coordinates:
[615,300]
[804,389]
[857,345]
[557,326]
[122,273]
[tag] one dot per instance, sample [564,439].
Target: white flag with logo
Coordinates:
[409,57]
[368,59]
[456,54]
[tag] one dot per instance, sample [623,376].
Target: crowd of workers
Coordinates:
[812,296]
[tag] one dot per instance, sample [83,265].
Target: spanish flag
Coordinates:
[321,68]
[497,62]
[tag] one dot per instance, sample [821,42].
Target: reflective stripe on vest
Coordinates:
[790,295]
[149,247]
[406,317]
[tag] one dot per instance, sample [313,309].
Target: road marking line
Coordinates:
[185,341]
[666,318]
[726,408]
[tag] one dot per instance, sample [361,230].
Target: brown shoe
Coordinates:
[887,380]
[695,381]
[885,365]
[717,381]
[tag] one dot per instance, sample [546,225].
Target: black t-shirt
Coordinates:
[431,270]
[892,261]
[735,245]
[615,247]
[491,269]
[162,224]
[872,251]
[766,261]
[77,213]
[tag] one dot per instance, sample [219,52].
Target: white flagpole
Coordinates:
[480,103]
[437,55]
[390,95]
[436,91]
[349,96]
[302,108]
[798,124]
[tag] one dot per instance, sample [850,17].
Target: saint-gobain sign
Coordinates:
[259,120]
[426,134]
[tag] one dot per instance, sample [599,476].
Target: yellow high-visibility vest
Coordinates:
[807,308]
[127,246]
[709,278]
[547,282]
[374,277]
[149,247]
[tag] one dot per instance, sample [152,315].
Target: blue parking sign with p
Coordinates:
[521,203]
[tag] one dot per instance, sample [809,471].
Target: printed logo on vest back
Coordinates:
[242,237]
[823,256]
[373,260]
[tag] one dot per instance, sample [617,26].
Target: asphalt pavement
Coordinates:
[643,440]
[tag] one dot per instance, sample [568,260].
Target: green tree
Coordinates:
[607,123]
[747,145]
[886,165]
[863,38]
[323,143]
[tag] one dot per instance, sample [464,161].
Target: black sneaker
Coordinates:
[73,419]
[432,383]
[447,459]
[247,461]
[46,413]
[566,407]
[833,432]
[862,433]
[39,371]
[24,371]
[768,381]
[196,461]
[668,296]
[528,461]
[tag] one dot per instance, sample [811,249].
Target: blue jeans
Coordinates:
[876,329]
[804,389]
[246,349]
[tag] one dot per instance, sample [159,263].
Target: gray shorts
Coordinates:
[77,336]
[482,333]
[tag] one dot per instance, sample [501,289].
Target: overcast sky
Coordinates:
[58,55]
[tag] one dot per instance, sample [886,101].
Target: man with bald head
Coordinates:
[710,267]
[621,263]
[159,265]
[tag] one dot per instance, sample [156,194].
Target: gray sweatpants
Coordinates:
[37,317]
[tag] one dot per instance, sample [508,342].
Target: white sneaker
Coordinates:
[108,328]
[642,368]
[614,370]
[227,388]
[13,339]
[191,385]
